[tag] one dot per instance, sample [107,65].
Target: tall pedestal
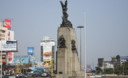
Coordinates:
[68,65]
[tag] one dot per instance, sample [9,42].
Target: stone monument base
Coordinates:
[65,76]
[79,74]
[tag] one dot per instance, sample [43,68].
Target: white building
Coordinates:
[108,64]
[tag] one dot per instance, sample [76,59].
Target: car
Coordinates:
[27,75]
[46,75]
[36,74]
[19,75]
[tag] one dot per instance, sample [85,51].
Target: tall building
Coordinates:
[48,55]
[6,34]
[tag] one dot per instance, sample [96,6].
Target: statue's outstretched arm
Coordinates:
[62,4]
[66,3]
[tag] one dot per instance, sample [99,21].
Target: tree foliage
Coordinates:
[108,71]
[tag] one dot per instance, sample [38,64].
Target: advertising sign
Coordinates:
[8,45]
[9,35]
[10,57]
[47,50]
[21,60]
[7,23]
[30,50]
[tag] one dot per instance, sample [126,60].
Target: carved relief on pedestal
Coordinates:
[61,42]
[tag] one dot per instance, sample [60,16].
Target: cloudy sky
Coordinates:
[105,21]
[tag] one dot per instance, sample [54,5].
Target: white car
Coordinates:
[44,74]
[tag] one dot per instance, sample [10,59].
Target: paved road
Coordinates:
[36,77]
[11,76]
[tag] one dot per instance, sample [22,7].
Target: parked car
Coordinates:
[27,75]
[36,74]
[45,75]
[19,75]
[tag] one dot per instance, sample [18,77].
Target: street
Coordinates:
[28,77]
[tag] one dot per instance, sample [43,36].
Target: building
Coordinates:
[7,34]
[7,45]
[117,64]
[101,63]
[108,64]
[48,55]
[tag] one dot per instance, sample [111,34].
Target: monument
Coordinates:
[68,64]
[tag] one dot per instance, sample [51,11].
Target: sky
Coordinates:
[106,25]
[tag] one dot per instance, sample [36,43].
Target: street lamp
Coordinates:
[1,56]
[80,27]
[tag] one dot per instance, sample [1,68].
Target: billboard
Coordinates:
[21,60]
[9,35]
[47,50]
[8,45]
[7,23]
[30,50]
[10,57]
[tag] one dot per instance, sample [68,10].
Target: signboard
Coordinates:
[30,50]
[47,50]
[21,60]
[10,57]
[9,35]
[8,46]
[7,23]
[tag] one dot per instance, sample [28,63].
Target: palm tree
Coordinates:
[117,64]
[118,58]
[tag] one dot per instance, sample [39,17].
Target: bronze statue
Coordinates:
[65,21]
[73,44]
[61,42]
[64,8]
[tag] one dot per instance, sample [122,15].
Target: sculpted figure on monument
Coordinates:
[65,21]
[61,42]
[73,45]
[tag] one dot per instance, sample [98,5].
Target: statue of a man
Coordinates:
[65,21]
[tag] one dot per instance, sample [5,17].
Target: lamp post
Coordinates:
[80,27]
[1,56]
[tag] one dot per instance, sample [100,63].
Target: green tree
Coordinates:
[117,64]
[108,71]
[117,71]
[118,58]
[29,70]
[98,70]
[125,68]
